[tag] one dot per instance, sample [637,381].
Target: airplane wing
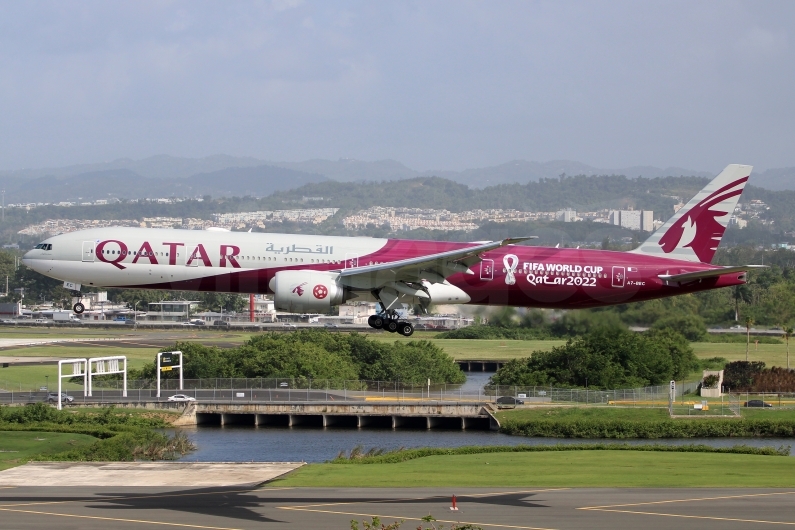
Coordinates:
[711,273]
[433,268]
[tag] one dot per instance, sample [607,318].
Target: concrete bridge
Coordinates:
[480,366]
[389,415]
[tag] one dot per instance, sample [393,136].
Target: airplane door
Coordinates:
[619,276]
[88,251]
[487,269]
[351,261]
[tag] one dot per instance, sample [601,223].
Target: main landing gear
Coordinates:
[78,307]
[389,322]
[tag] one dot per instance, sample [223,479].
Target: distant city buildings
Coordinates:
[633,219]
[228,220]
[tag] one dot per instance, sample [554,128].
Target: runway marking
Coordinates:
[699,517]
[612,508]
[493,494]
[689,500]
[119,520]
[310,508]
[299,509]
[104,499]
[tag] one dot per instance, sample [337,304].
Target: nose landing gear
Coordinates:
[389,322]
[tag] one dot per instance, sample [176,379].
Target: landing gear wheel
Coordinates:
[406,329]
[375,321]
[391,326]
[79,308]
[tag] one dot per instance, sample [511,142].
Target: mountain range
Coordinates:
[223,175]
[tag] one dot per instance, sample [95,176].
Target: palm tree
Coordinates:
[748,323]
[787,334]
[741,294]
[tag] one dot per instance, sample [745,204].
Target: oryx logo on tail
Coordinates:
[695,231]
[700,228]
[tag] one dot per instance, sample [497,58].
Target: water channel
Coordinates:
[283,444]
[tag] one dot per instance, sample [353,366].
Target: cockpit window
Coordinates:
[43,246]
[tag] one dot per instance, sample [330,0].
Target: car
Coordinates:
[756,403]
[330,325]
[288,325]
[8,321]
[198,321]
[509,400]
[737,327]
[283,384]
[52,397]
[181,398]
[188,324]
[221,324]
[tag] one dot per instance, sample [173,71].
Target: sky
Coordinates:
[433,84]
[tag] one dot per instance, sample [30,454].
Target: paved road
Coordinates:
[309,509]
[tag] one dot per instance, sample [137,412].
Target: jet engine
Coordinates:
[306,291]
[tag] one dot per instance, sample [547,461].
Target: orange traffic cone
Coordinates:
[454,508]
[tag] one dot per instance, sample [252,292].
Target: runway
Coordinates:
[68,507]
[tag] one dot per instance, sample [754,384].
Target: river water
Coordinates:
[297,444]
[235,443]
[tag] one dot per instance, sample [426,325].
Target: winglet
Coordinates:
[514,240]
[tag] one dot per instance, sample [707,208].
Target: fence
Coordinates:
[107,388]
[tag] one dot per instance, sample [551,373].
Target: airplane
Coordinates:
[308,273]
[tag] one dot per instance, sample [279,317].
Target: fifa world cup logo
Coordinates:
[511,262]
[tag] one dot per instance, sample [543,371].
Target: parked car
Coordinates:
[330,325]
[509,400]
[221,323]
[181,398]
[288,325]
[756,403]
[197,321]
[188,324]
[52,397]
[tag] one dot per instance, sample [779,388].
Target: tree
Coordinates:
[691,326]
[741,294]
[787,334]
[748,323]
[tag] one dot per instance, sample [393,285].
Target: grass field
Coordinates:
[556,469]
[467,349]
[142,349]
[17,446]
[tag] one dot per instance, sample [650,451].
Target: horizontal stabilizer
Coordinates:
[710,273]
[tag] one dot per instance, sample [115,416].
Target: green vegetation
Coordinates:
[117,436]
[404,455]
[318,355]
[605,358]
[648,423]
[743,376]
[17,447]
[590,413]
[570,468]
